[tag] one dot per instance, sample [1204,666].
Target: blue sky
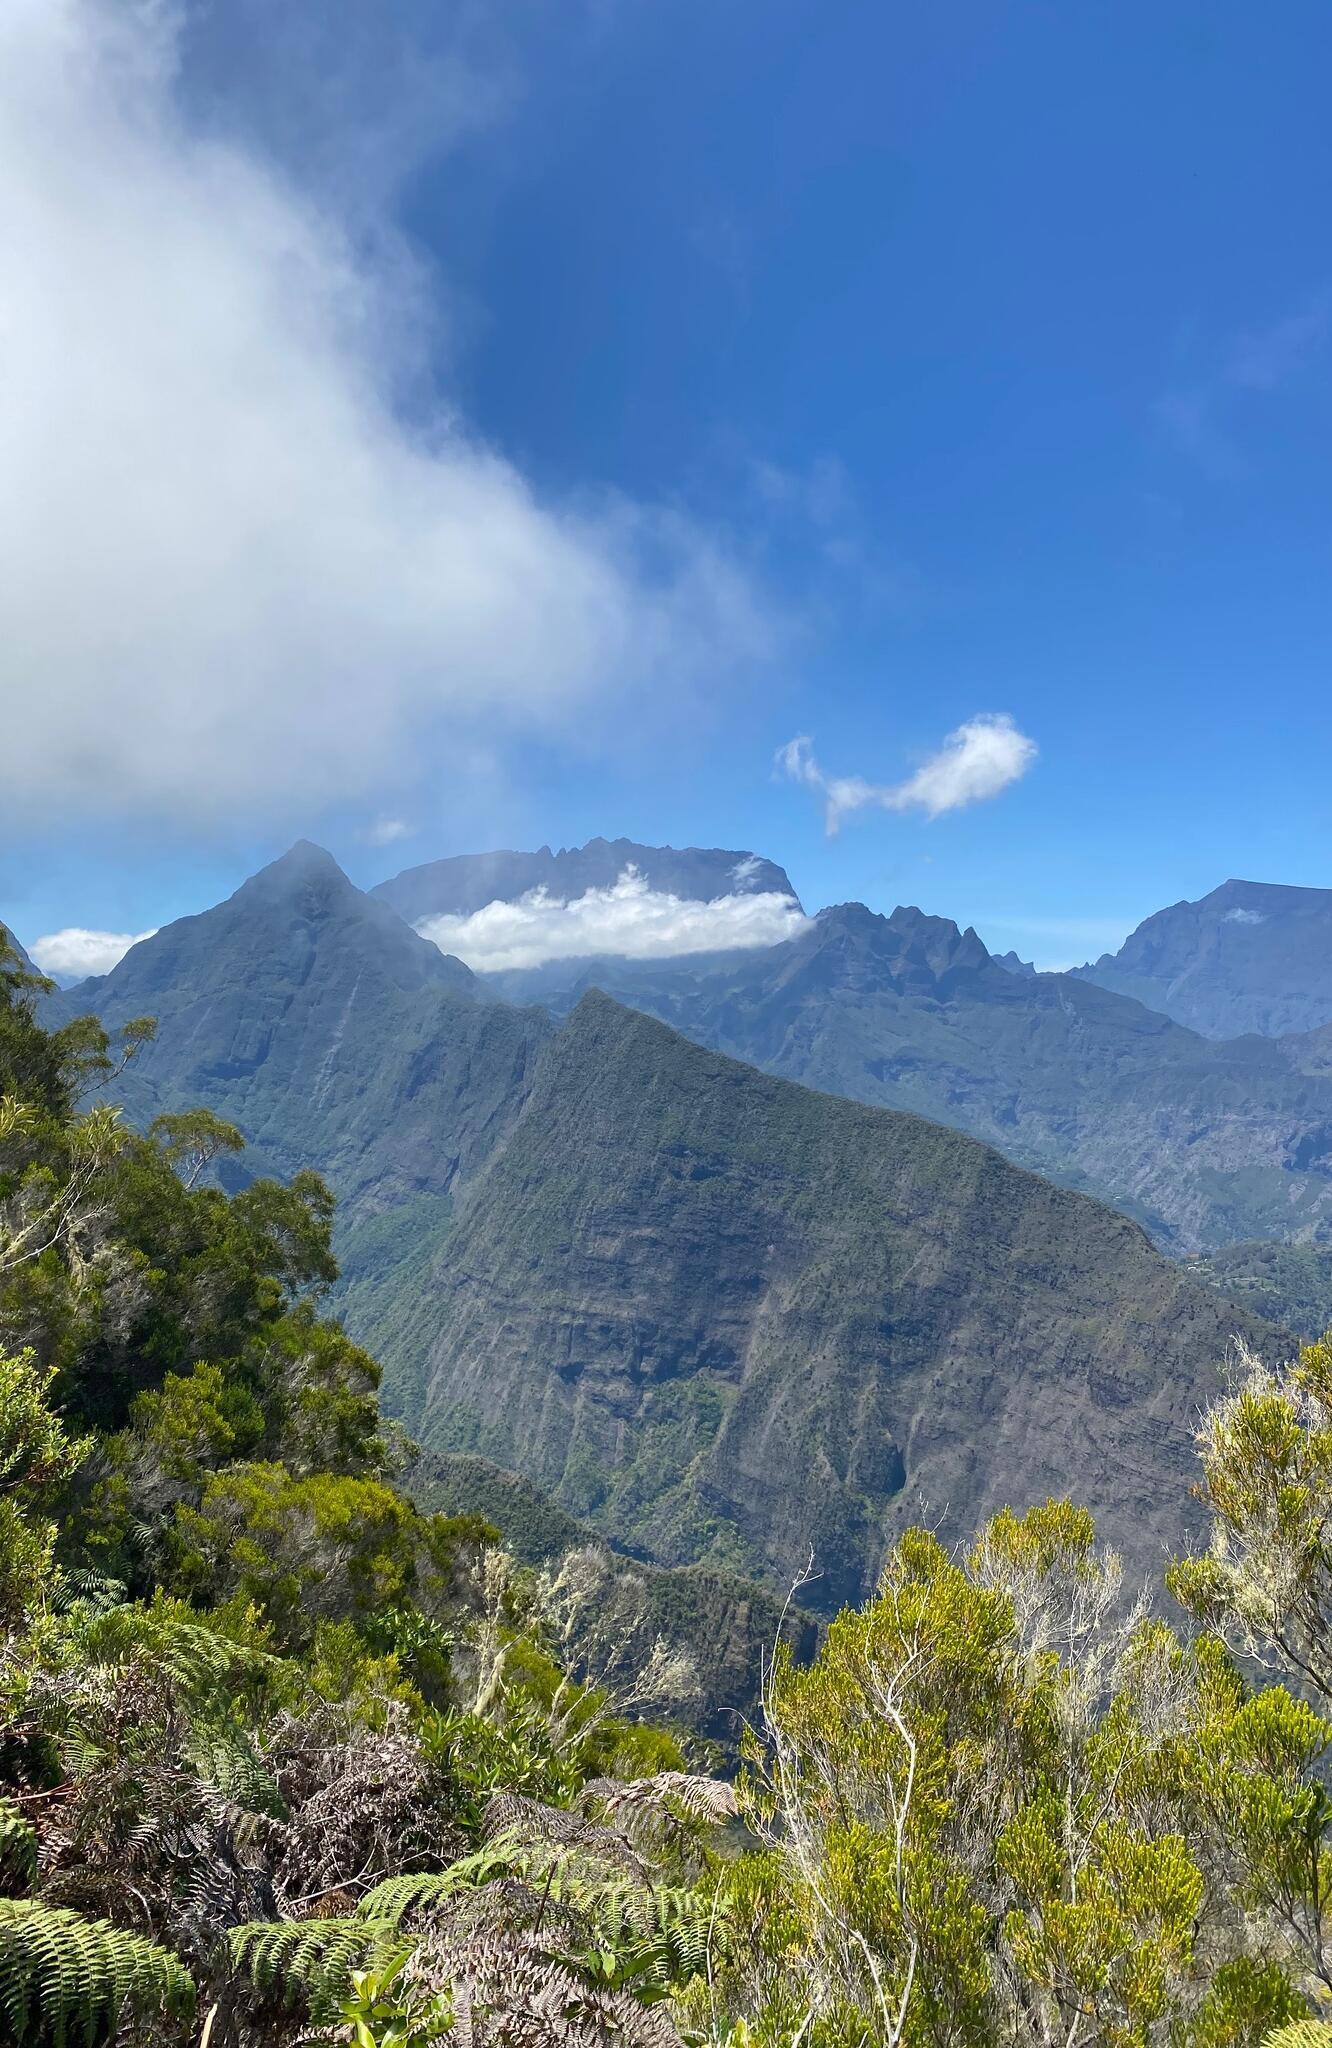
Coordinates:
[878,367]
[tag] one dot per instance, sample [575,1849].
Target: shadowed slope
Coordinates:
[721,1316]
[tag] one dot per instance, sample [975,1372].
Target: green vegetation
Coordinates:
[244,1680]
[1290,1284]
[726,1625]
[719,1318]
[289,1756]
[1202,1142]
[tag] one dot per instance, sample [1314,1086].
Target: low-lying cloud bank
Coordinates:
[249,569]
[977,761]
[630,920]
[72,954]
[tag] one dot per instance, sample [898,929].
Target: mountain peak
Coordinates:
[1249,957]
[302,863]
[909,951]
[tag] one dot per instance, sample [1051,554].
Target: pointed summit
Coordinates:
[311,1016]
[306,868]
[298,921]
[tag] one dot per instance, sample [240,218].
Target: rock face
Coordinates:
[723,1317]
[1252,956]
[471,880]
[1204,1143]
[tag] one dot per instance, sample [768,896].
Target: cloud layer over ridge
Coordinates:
[629,920]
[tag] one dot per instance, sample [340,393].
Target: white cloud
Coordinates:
[385,831]
[239,581]
[629,920]
[71,954]
[977,761]
[1241,916]
[746,871]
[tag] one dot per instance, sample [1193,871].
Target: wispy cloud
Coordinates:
[1199,412]
[629,920]
[243,577]
[977,761]
[71,954]
[386,831]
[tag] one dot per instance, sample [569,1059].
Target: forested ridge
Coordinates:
[285,1758]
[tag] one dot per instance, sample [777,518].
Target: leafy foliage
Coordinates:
[63,1978]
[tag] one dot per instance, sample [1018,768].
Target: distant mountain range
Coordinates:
[469,881]
[719,1316]
[1252,956]
[1206,1143]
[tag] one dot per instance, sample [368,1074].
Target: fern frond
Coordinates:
[680,1795]
[418,1891]
[197,1659]
[225,1758]
[314,1960]
[64,1978]
[509,1816]
[18,1847]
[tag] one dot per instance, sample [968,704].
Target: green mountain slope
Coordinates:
[1204,1143]
[722,1317]
[1289,1284]
[1252,956]
[311,1016]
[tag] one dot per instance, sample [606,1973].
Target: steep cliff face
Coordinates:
[470,881]
[1252,956]
[1204,1143]
[723,1317]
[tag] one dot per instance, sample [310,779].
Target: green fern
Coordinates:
[18,1847]
[198,1659]
[399,1898]
[225,1757]
[64,1979]
[315,1960]
[1300,2034]
[637,1934]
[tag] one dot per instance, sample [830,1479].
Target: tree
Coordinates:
[37,1455]
[988,1812]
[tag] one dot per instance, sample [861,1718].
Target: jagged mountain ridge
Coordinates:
[1204,1142]
[468,882]
[1251,956]
[857,1315]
